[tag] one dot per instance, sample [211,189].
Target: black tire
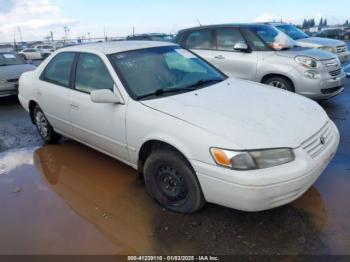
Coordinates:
[171,181]
[24,57]
[280,82]
[43,126]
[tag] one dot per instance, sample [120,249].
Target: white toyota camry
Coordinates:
[195,135]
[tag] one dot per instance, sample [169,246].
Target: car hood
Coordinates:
[249,115]
[318,42]
[301,51]
[14,71]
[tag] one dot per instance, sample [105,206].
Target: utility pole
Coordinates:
[89,36]
[51,34]
[133,30]
[20,33]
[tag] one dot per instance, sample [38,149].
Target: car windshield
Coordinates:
[293,32]
[7,59]
[153,72]
[274,38]
[166,38]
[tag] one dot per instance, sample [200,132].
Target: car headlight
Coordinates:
[329,49]
[308,62]
[252,160]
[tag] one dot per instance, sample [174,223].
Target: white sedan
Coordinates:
[31,54]
[194,134]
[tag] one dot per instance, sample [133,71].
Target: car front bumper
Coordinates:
[9,89]
[344,57]
[322,88]
[264,189]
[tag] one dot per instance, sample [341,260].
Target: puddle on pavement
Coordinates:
[69,199]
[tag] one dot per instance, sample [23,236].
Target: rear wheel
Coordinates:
[44,128]
[170,180]
[280,82]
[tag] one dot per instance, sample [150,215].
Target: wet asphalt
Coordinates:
[70,199]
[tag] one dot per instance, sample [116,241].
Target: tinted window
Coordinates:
[199,40]
[59,69]
[227,38]
[148,70]
[92,74]
[29,50]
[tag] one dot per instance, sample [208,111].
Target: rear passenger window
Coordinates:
[59,69]
[227,38]
[92,74]
[199,40]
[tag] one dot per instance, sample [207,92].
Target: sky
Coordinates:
[35,19]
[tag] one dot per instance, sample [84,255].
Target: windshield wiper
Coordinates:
[202,82]
[192,87]
[163,91]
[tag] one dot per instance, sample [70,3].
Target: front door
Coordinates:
[100,125]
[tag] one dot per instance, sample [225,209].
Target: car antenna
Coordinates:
[198,22]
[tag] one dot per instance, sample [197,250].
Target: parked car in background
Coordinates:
[321,40]
[240,143]
[261,53]
[31,54]
[45,50]
[346,33]
[151,37]
[11,68]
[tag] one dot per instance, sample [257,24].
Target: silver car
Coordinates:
[11,68]
[261,53]
[302,39]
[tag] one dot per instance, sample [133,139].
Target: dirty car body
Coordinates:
[261,53]
[194,134]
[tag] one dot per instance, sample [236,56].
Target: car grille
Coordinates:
[341,49]
[336,72]
[319,141]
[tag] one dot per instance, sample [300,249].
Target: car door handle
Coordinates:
[74,106]
[219,57]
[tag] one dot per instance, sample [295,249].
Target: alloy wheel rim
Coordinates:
[41,123]
[278,84]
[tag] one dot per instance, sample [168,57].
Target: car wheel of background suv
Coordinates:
[170,180]
[280,82]
[44,128]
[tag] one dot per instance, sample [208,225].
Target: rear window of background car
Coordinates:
[200,39]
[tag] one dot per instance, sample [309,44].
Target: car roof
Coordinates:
[116,47]
[246,25]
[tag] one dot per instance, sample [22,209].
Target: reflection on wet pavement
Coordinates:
[69,199]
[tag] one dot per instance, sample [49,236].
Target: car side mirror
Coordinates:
[243,47]
[106,96]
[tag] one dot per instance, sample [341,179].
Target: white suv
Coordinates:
[194,134]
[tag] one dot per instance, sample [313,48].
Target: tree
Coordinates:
[321,22]
[346,23]
[325,23]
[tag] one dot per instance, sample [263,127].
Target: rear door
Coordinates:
[53,89]
[241,64]
[200,41]
[99,125]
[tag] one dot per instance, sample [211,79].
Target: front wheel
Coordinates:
[44,128]
[280,82]
[170,180]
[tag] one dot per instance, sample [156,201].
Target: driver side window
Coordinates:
[92,74]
